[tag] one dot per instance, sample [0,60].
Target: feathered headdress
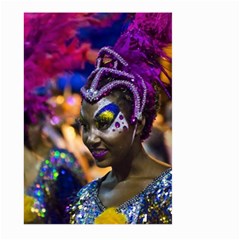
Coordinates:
[51,47]
[145,45]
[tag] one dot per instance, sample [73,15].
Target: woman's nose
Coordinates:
[93,138]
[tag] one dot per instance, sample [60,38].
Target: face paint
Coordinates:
[110,118]
[106,132]
[106,115]
[120,124]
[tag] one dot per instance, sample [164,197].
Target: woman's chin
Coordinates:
[103,163]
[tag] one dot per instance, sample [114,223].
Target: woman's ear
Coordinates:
[140,125]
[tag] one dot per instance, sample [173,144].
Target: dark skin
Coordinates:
[114,192]
[132,169]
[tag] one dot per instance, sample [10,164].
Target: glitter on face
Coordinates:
[119,127]
[108,116]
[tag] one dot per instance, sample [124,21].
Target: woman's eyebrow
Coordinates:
[112,107]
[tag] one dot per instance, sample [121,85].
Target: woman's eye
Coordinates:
[103,125]
[104,119]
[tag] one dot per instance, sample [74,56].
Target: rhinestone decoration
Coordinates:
[113,53]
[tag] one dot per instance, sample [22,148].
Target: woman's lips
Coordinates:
[99,153]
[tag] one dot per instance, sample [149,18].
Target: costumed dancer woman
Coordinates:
[51,174]
[120,102]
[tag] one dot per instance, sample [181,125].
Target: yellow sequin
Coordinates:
[106,116]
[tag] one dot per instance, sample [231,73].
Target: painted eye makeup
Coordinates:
[106,115]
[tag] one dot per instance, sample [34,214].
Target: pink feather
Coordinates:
[52,48]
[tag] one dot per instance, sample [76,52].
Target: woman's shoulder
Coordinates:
[89,188]
[166,174]
[164,180]
[161,186]
[158,197]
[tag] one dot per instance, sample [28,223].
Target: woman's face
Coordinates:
[106,131]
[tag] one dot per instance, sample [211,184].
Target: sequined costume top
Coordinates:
[59,176]
[152,206]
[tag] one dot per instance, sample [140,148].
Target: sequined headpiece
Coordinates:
[114,62]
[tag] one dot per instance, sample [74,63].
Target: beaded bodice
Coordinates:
[153,205]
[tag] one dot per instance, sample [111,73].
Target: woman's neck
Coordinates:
[132,166]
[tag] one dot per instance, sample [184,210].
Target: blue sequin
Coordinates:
[56,181]
[152,206]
